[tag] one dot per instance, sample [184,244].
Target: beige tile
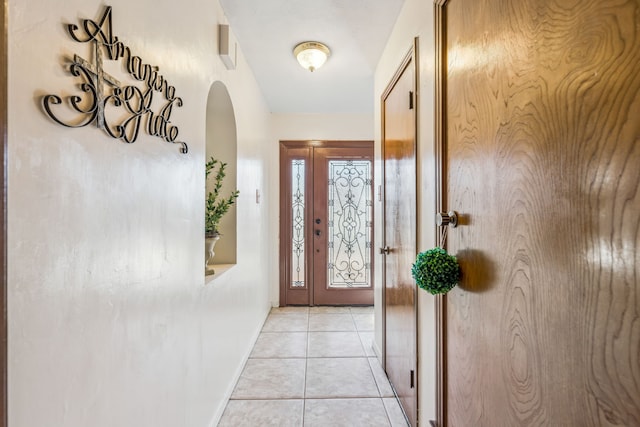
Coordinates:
[289,310]
[271,379]
[335,344]
[367,343]
[329,309]
[340,377]
[252,413]
[331,322]
[364,322]
[345,413]
[381,378]
[290,322]
[396,416]
[280,345]
[361,310]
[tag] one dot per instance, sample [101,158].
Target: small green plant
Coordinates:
[436,271]
[216,206]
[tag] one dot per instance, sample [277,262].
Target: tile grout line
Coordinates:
[307,353]
[380,392]
[306,368]
[375,379]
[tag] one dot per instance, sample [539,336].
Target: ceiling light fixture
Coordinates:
[311,55]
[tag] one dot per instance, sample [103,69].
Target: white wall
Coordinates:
[415,20]
[303,127]
[343,126]
[110,321]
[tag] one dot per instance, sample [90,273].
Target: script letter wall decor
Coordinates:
[104,93]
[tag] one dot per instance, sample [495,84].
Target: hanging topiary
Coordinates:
[436,271]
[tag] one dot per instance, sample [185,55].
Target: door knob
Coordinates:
[318,232]
[385,251]
[318,221]
[449,218]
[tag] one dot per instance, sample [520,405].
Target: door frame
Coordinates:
[4,418]
[440,140]
[411,55]
[284,261]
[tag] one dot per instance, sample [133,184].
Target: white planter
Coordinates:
[209,244]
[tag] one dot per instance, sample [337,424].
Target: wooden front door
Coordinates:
[399,155]
[326,223]
[542,113]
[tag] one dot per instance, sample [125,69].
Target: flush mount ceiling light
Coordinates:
[311,55]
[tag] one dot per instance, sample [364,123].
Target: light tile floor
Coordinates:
[314,366]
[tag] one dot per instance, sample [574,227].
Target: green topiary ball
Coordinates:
[436,271]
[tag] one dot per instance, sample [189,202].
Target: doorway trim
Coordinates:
[440,138]
[4,355]
[284,262]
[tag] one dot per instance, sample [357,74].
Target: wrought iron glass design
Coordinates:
[349,224]
[297,221]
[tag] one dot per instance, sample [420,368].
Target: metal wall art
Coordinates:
[118,109]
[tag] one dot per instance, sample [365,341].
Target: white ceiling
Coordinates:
[356,31]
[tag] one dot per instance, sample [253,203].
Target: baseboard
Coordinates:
[376,350]
[236,376]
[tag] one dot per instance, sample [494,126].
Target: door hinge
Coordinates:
[410,100]
[412,378]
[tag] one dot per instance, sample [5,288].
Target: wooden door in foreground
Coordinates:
[543,164]
[399,154]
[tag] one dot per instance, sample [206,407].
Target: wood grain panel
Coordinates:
[543,162]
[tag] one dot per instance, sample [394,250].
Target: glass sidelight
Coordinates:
[298,252]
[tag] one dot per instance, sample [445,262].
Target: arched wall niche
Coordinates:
[222,144]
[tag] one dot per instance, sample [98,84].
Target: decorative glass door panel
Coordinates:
[298,206]
[343,216]
[295,216]
[326,215]
[349,224]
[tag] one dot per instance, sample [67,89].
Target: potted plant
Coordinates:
[216,207]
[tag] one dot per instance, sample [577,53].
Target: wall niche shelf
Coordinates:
[220,270]
[222,144]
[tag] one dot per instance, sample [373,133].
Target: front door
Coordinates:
[326,223]
[542,120]
[399,155]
